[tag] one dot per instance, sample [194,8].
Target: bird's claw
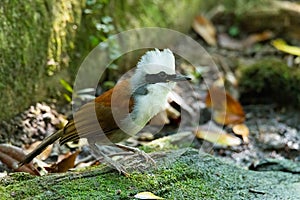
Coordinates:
[137,151]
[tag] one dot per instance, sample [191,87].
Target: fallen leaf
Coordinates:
[65,163]
[257,37]
[40,166]
[282,46]
[180,139]
[85,164]
[45,154]
[216,135]
[205,29]
[227,42]
[226,110]
[146,195]
[243,130]
[225,118]
[11,156]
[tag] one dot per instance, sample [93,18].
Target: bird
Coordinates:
[122,111]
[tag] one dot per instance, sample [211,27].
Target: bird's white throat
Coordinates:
[146,107]
[155,99]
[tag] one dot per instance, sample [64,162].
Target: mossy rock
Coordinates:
[270,81]
[192,175]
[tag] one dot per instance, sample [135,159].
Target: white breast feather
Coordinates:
[147,106]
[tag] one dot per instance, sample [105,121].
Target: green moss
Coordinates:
[33,33]
[270,80]
[190,176]
[21,49]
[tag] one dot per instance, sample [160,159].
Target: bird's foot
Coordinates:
[115,164]
[99,155]
[137,151]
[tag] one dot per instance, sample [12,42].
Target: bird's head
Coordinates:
[156,69]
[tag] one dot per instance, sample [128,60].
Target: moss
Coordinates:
[191,176]
[270,80]
[20,50]
[33,33]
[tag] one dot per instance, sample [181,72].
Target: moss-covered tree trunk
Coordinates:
[35,40]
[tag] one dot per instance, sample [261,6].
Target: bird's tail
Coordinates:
[41,147]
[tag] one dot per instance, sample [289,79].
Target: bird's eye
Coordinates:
[162,74]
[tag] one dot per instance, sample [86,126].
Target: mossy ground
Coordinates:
[191,176]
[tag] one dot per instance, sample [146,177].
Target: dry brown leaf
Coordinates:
[225,118]
[243,130]
[226,41]
[45,154]
[217,136]
[205,29]
[226,110]
[147,195]
[66,162]
[257,37]
[11,155]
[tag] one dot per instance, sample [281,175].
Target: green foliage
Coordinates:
[108,85]
[234,31]
[83,95]
[67,87]
[97,25]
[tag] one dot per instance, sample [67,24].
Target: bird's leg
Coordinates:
[137,151]
[98,153]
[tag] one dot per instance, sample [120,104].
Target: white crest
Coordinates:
[155,61]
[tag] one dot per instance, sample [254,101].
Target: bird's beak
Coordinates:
[179,77]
